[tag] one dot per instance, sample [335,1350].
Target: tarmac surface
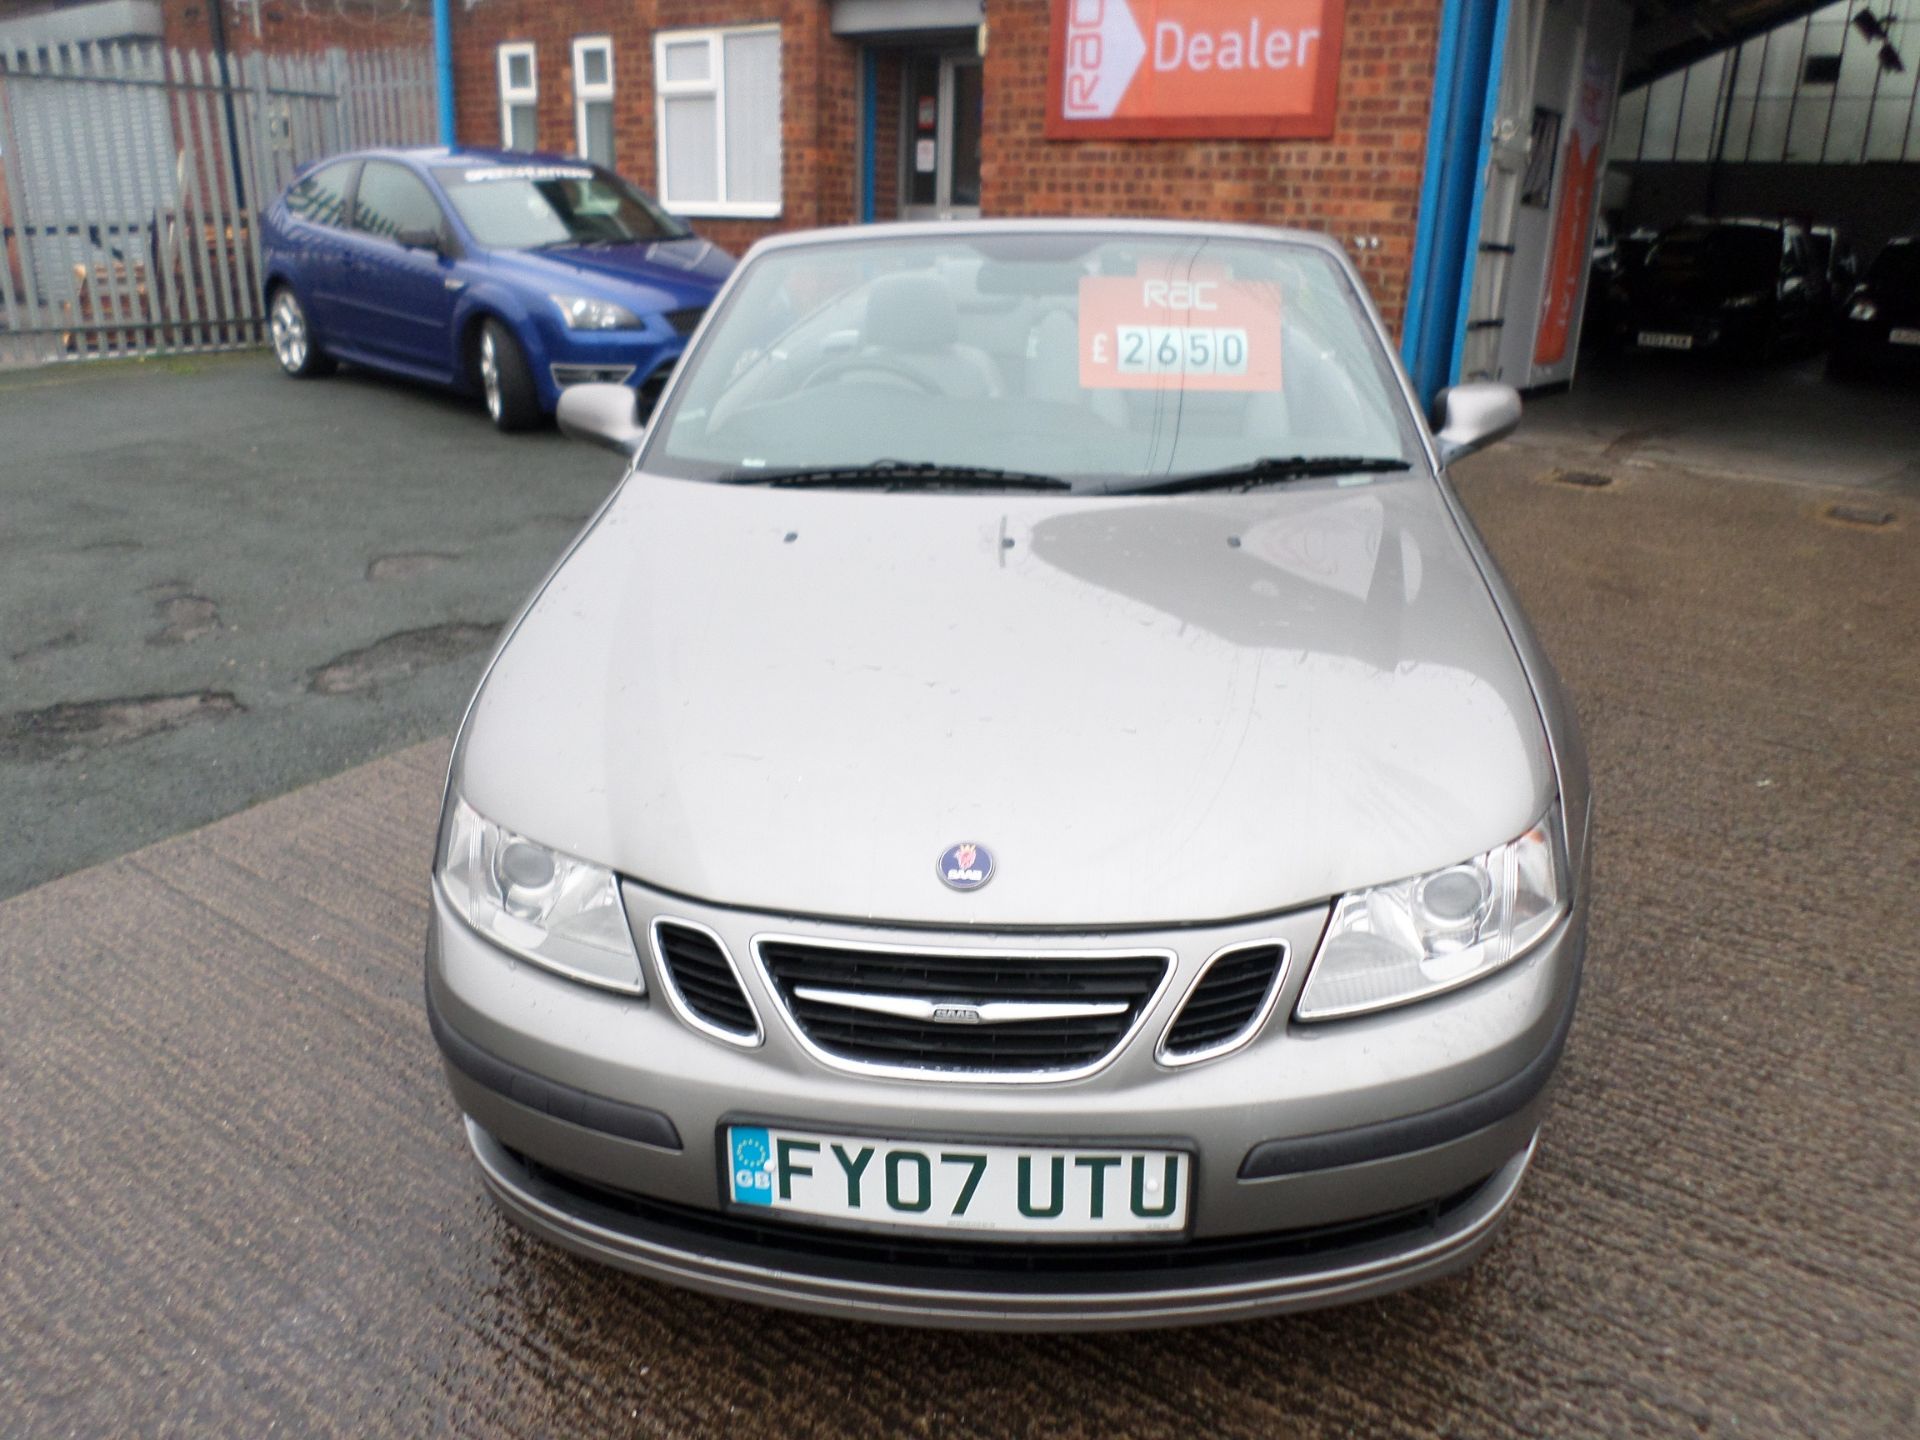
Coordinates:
[236,1201]
[1709,413]
[217,584]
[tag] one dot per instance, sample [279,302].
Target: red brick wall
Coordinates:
[1363,182]
[818,80]
[1361,185]
[286,26]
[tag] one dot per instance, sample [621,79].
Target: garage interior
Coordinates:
[1661,111]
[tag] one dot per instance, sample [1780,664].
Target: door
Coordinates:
[316,233]
[398,300]
[940,155]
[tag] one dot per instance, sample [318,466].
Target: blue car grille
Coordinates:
[685,322]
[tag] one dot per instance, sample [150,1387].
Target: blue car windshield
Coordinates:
[536,206]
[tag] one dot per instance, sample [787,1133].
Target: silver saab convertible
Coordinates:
[1030,806]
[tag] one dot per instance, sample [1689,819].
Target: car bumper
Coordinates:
[1333,1161]
[796,1271]
[619,357]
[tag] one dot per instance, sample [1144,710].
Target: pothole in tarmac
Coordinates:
[1584,479]
[407,565]
[398,656]
[74,727]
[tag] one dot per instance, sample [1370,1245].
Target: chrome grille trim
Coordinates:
[1167,959]
[677,1002]
[1253,1027]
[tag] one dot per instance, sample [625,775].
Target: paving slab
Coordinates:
[234,1200]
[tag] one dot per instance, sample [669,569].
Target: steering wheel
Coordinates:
[877,364]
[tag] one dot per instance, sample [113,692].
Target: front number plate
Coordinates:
[1900,335]
[921,1185]
[1656,340]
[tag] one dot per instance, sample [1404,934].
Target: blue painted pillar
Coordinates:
[1466,92]
[443,69]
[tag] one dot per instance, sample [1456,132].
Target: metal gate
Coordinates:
[131,177]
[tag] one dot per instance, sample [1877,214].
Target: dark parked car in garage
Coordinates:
[509,275]
[1747,288]
[1880,326]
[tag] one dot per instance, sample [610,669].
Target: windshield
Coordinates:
[1746,255]
[1897,271]
[1107,360]
[527,207]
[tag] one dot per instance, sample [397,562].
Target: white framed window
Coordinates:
[717,113]
[519,94]
[593,99]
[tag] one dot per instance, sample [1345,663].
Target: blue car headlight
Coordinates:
[583,312]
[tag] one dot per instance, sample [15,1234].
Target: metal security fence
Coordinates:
[131,177]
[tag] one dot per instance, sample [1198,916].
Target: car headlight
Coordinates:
[537,903]
[1414,938]
[1863,309]
[583,312]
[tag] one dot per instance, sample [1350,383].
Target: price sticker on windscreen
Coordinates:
[1151,333]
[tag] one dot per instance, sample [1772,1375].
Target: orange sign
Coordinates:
[1170,68]
[1573,227]
[1148,332]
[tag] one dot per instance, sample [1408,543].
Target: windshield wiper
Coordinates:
[1266,471]
[902,475]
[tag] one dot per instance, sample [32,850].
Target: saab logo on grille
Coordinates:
[966,866]
[956,1015]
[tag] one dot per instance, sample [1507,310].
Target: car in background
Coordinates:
[1030,807]
[1835,255]
[1879,327]
[508,275]
[1748,289]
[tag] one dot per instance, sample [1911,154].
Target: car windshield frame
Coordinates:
[1731,253]
[1379,393]
[458,181]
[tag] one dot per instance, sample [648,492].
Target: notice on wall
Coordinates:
[1152,333]
[924,155]
[1173,68]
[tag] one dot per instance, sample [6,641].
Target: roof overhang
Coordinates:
[1670,35]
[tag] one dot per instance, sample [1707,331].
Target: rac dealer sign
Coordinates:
[1168,68]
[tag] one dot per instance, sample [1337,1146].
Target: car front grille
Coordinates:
[1230,1000]
[564,375]
[685,322]
[858,1004]
[694,964]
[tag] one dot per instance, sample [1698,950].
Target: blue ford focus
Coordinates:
[510,275]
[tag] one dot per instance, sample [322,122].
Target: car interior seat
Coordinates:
[911,327]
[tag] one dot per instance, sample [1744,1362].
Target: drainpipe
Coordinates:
[443,69]
[217,33]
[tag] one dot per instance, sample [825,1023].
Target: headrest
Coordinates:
[912,313]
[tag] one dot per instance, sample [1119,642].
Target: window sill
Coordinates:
[716,210]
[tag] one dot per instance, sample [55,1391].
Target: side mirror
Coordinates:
[1473,416]
[603,414]
[418,237]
